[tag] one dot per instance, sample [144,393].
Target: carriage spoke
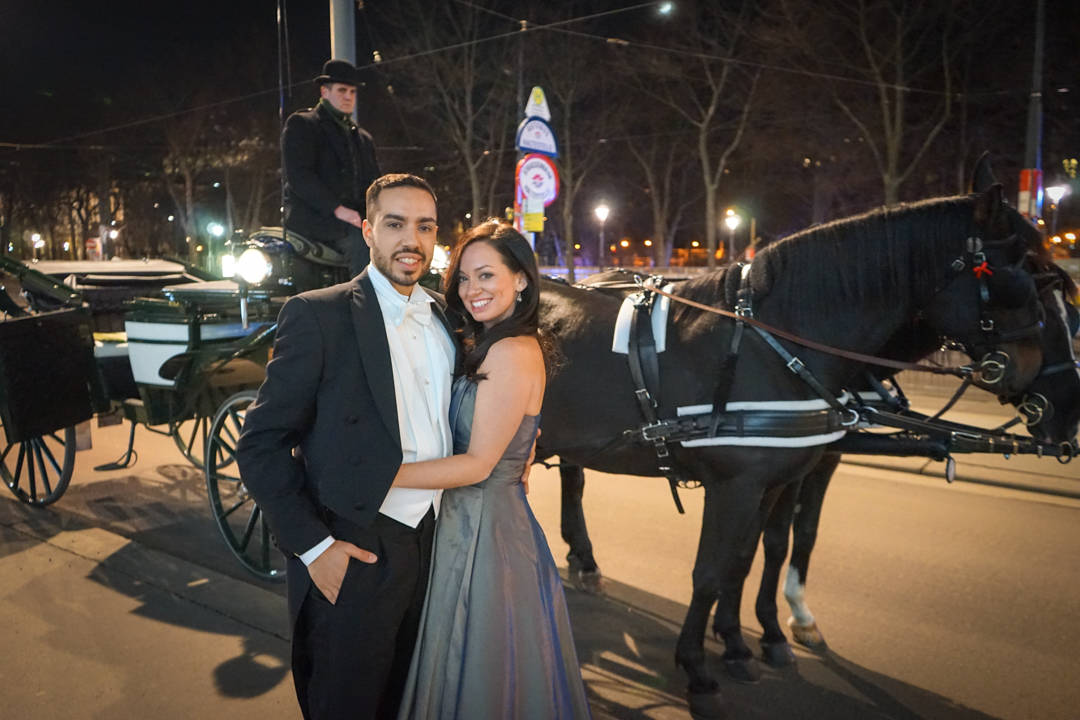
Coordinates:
[221,446]
[235,507]
[38,444]
[30,471]
[52,458]
[3,456]
[58,440]
[250,528]
[18,466]
[191,440]
[265,542]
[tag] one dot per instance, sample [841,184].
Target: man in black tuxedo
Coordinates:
[359,383]
[328,163]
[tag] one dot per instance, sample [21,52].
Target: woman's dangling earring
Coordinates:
[519,296]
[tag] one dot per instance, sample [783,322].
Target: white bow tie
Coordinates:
[420,312]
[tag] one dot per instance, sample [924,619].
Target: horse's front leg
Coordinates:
[730,514]
[775,649]
[738,658]
[584,573]
[804,534]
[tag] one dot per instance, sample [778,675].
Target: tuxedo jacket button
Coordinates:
[351,420]
[359,506]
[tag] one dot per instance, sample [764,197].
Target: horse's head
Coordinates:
[1051,404]
[988,302]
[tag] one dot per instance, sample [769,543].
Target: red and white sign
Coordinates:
[1029,199]
[93,249]
[537,178]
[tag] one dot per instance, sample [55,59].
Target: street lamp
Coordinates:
[1055,193]
[602,211]
[732,220]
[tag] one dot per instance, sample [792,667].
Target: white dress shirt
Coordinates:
[422,356]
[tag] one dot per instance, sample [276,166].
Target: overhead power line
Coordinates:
[521,26]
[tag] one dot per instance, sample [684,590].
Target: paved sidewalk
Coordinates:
[96,626]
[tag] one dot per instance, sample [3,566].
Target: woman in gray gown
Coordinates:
[495,639]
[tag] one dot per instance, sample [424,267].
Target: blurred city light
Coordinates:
[113,234]
[216,229]
[624,243]
[1056,192]
[665,8]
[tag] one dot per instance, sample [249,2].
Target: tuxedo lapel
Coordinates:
[375,351]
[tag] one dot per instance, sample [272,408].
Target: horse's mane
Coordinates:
[883,258]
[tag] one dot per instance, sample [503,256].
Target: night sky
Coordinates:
[68,68]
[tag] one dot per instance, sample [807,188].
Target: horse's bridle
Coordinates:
[992,368]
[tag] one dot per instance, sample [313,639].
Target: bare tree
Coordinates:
[901,57]
[664,160]
[583,117]
[708,91]
[455,76]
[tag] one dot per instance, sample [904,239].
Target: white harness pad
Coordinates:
[620,341]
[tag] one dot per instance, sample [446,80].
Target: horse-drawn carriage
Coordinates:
[191,353]
[892,284]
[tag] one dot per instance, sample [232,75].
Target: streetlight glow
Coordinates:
[216,229]
[665,8]
[1056,192]
[602,211]
[113,234]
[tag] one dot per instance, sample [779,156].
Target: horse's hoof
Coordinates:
[589,581]
[744,670]
[807,635]
[777,654]
[708,705]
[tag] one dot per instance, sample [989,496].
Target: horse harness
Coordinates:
[837,417]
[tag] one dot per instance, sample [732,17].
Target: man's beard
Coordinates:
[385,265]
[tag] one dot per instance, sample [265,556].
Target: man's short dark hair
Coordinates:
[396,180]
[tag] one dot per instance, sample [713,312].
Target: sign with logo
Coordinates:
[538,179]
[537,106]
[93,249]
[535,135]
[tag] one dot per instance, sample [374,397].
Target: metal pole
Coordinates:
[1033,141]
[343,33]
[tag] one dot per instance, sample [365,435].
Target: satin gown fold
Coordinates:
[495,639]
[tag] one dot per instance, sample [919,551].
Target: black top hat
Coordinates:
[338,71]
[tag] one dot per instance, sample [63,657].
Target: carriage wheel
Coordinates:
[241,522]
[190,437]
[39,469]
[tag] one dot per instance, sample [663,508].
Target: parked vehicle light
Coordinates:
[253,266]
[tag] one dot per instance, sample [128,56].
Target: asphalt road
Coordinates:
[938,601]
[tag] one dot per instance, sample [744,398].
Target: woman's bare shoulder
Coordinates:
[520,352]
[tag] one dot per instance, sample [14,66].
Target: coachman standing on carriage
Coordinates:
[328,163]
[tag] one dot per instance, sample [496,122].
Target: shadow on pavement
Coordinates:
[625,638]
[626,645]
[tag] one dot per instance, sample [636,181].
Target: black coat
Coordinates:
[318,161]
[329,392]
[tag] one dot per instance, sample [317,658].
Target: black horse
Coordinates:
[854,284]
[799,507]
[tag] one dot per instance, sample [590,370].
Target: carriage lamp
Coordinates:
[253,266]
[228,266]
